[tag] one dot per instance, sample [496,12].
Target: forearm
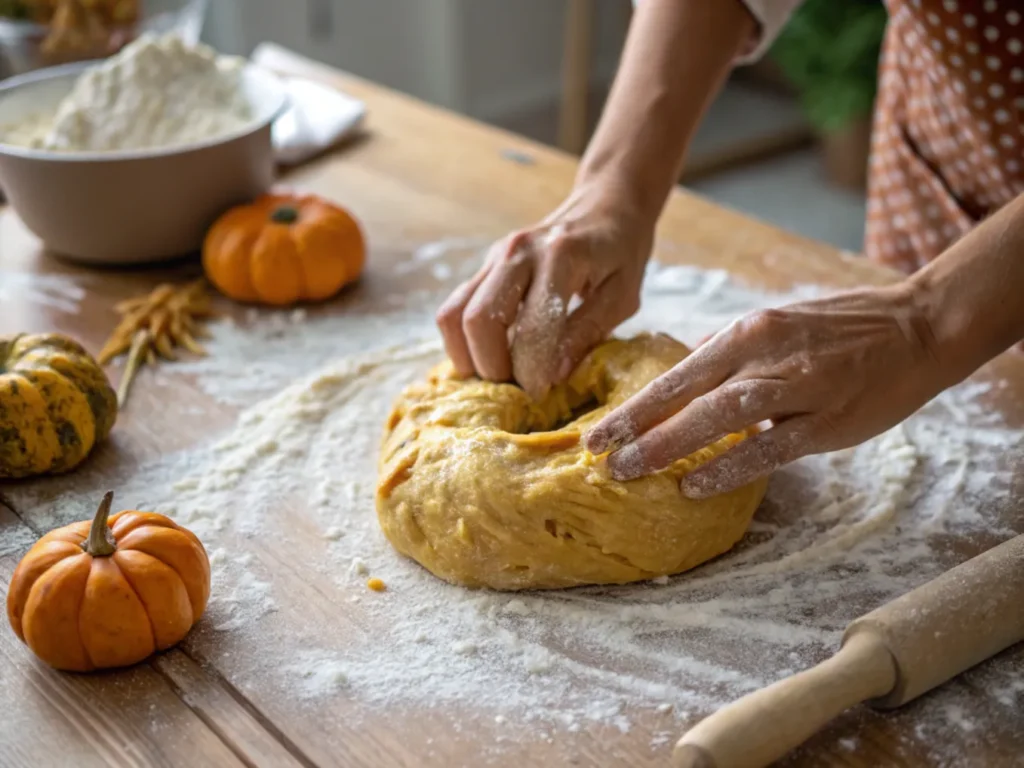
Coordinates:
[677,56]
[973,295]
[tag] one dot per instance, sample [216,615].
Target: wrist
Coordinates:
[615,192]
[968,324]
[640,170]
[914,307]
[677,55]
[946,324]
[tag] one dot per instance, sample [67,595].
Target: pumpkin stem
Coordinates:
[286,214]
[101,541]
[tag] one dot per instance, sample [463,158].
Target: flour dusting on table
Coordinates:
[57,292]
[837,535]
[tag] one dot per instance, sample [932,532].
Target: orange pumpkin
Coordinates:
[282,249]
[109,593]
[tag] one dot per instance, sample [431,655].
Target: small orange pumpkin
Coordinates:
[109,593]
[282,249]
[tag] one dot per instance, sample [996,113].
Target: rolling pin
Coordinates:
[887,658]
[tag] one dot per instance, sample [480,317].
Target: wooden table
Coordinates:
[419,174]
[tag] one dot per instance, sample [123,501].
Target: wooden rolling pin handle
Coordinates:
[950,624]
[758,729]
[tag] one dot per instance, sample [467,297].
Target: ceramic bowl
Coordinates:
[133,206]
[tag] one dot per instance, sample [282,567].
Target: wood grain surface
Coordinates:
[417,175]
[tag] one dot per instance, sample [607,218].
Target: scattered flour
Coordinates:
[58,292]
[838,535]
[958,718]
[317,675]
[16,541]
[439,250]
[244,598]
[1009,692]
[663,738]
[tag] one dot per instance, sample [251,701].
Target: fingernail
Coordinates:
[700,485]
[594,441]
[537,392]
[611,437]
[566,369]
[626,463]
[599,440]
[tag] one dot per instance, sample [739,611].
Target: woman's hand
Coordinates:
[828,374]
[513,318]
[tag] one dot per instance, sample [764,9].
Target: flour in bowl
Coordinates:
[157,92]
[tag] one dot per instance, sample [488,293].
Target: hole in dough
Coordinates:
[591,404]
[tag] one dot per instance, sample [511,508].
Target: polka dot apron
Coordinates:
[948,142]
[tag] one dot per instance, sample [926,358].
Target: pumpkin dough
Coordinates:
[487,488]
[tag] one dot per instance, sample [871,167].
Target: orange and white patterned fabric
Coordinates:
[948,140]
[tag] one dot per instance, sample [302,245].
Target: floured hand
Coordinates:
[827,374]
[515,318]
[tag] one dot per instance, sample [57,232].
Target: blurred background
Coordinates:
[785,142]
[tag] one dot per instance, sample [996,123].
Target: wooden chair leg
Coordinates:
[579,39]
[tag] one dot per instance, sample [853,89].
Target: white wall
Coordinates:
[492,59]
[514,49]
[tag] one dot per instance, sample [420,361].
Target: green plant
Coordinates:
[14,9]
[829,51]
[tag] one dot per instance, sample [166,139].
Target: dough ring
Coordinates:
[486,488]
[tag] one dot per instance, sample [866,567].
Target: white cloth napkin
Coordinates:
[317,118]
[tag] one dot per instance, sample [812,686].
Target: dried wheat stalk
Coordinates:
[153,326]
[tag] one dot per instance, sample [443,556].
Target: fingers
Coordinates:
[475,319]
[754,458]
[449,321]
[529,282]
[612,303]
[493,308]
[728,409]
[698,374]
[543,317]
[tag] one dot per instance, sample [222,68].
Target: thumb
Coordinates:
[535,351]
[544,318]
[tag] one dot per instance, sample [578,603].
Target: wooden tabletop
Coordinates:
[419,174]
